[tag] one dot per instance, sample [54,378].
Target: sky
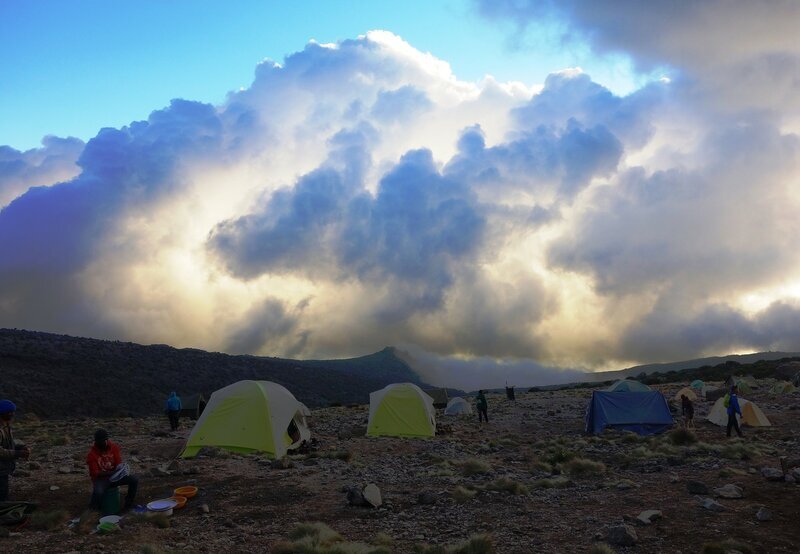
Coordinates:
[507,190]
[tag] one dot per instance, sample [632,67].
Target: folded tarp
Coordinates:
[645,413]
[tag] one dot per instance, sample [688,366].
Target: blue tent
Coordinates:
[645,413]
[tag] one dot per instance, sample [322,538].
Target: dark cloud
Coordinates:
[265,328]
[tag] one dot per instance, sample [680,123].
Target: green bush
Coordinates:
[475,467]
[601,548]
[479,544]
[582,467]
[462,495]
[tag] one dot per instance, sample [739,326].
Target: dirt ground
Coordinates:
[526,493]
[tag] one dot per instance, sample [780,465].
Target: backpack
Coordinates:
[727,401]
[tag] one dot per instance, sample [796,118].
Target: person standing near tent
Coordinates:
[733,409]
[107,471]
[483,407]
[174,408]
[10,452]
[687,410]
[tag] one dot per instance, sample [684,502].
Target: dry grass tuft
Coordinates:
[462,495]
[582,467]
[49,521]
[504,484]
[725,546]
[475,467]
[682,437]
[601,548]
[479,544]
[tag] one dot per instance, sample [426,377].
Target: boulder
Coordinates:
[729,491]
[372,494]
[649,516]
[772,474]
[622,535]
[696,487]
[355,497]
[713,505]
[763,514]
[65,469]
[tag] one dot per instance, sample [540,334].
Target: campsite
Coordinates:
[529,481]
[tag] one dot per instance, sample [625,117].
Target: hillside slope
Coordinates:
[59,375]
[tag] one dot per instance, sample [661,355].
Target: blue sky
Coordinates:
[74,66]
[373,189]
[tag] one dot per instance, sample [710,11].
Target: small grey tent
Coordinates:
[193,405]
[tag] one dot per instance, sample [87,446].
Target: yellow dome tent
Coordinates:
[690,394]
[751,414]
[250,416]
[401,410]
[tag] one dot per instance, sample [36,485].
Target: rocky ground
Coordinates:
[529,480]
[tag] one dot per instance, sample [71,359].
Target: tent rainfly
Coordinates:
[751,414]
[250,416]
[645,413]
[401,410]
[628,385]
[690,394]
[782,387]
[193,405]
[458,406]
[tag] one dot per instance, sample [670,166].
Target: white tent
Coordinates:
[458,406]
[751,414]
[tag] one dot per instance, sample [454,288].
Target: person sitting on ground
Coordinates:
[104,459]
[733,409]
[174,408]
[483,407]
[10,451]
[687,410]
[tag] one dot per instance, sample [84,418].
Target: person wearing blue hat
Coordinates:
[10,451]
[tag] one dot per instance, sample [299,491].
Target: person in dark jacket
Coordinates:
[174,410]
[687,410]
[10,451]
[483,407]
[733,409]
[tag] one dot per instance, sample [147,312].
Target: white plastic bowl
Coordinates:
[110,519]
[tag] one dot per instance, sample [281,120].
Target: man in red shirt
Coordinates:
[103,460]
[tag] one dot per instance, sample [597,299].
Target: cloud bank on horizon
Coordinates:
[359,194]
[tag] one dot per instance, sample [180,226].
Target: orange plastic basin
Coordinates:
[181,501]
[186,492]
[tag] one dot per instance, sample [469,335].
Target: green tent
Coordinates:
[697,384]
[250,416]
[782,387]
[401,410]
[628,385]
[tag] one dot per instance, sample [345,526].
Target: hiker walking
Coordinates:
[107,471]
[174,410]
[10,451]
[687,410]
[483,406]
[733,409]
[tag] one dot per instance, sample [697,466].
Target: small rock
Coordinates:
[65,469]
[696,487]
[772,474]
[789,478]
[282,463]
[729,491]
[135,459]
[622,535]
[54,487]
[673,478]
[426,498]
[203,508]
[713,505]
[763,514]
[372,494]
[355,497]
[752,470]
[649,516]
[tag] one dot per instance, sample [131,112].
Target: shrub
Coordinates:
[726,546]
[601,548]
[475,467]
[49,521]
[319,532]
[462,495]
[149,549]
[344,455]
[554,483]
[382,539]
[479,544]
[558,455]
[682,437]
[582,467]
[507,485]
[727,472]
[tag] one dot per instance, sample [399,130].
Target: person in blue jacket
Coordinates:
[173,410]
[733,409]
